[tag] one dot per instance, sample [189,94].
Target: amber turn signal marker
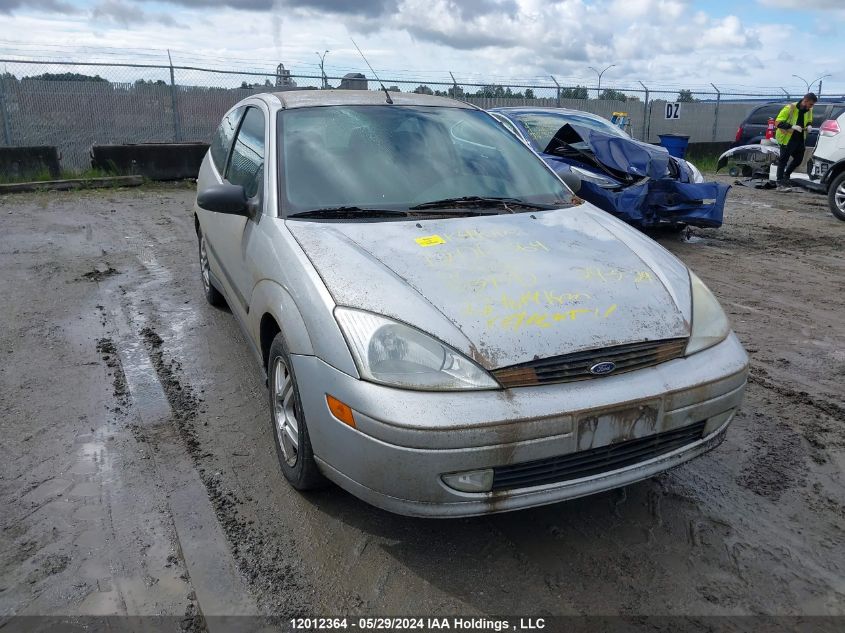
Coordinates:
[341,411]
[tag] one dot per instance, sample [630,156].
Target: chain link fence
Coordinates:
[74,105]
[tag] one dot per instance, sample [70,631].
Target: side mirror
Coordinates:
[225,198]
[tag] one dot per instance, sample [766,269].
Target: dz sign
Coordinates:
[673,110]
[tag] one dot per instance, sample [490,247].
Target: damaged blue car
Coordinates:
[637,182]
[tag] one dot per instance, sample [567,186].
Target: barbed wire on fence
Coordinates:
[72,105]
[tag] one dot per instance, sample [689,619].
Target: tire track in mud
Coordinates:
[816,428]
[776,464]
[192,621]
[259,557]
[108,352]
[761,377]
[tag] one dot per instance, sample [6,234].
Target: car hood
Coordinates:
[617,153]
[507,289]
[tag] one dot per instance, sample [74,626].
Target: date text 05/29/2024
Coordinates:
[417,624]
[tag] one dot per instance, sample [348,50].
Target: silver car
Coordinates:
[446,329]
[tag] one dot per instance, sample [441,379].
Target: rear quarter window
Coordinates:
[820,113]
[223,139]
[761,115]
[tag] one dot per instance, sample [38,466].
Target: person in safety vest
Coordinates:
[793,123]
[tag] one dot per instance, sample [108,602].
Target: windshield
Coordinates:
[399,157]
[542,126]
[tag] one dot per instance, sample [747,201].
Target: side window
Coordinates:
[838,111]
[223,139]
[246,167]
[761,115]
[821,113]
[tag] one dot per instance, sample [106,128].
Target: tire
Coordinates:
[287,421]
[673,228]
[212,294]
[836,197]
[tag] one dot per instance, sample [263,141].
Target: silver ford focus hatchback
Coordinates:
[446,329]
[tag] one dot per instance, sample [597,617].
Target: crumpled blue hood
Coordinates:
[618,153]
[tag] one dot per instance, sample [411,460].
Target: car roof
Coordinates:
[821,102]
[530,110]
[315,98]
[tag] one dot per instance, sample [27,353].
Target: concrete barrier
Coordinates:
[21,163]
[73,183]
[155,161]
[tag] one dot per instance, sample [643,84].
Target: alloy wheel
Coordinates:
[206,277]
[284,412]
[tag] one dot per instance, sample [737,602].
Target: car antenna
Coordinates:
[386,93]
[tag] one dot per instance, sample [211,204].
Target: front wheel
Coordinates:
[290,433]
[212,294]
[836,197]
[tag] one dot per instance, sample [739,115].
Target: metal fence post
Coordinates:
[646,114]
[177,131]
[716,116]
[454,86]
[4,112]
[558,89]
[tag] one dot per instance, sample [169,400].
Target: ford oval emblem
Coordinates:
[600,369]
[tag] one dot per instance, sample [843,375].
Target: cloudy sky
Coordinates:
[664,43]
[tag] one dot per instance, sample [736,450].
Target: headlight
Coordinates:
[596,179]
[695,175]
[709,323]
[398,355]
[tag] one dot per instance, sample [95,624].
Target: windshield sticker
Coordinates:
[430,240]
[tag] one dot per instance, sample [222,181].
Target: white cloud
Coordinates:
[126,14]
[804,4]
[54,6]
[728,33]
[657,41]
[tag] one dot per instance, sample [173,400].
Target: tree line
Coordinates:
[488,91]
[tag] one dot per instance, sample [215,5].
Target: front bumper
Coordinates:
[405,441]
[664,201]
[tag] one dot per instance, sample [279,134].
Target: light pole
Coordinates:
[598,90]
[810,83]
[322,64]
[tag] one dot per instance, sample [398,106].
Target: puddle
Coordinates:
[85,489]
[91,459]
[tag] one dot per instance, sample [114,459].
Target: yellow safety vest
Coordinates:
[789,113]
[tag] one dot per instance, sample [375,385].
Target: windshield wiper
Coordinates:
[349,212]
[481,201]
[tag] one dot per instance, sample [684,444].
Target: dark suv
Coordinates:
[753,129]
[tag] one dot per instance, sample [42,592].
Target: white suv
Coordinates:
[827,166]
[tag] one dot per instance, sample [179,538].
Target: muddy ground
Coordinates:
[138,473]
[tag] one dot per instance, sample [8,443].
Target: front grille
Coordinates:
[595,460]
[577,366]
